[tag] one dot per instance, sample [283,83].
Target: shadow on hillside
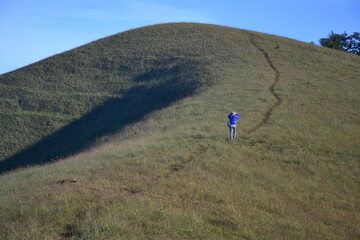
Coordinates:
[107,119]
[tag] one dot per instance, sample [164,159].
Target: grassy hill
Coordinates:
[139,119]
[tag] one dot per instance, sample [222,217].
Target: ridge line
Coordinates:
[271,87]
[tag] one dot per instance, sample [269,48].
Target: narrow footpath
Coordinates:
[271,87]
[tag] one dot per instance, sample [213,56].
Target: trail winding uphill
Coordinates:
[271,87]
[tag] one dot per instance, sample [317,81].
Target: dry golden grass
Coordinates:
[175,175]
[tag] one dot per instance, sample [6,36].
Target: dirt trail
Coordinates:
[271,87]
[178,166]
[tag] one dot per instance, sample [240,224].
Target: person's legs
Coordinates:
[232,131]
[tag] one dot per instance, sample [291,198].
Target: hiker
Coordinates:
[233,117]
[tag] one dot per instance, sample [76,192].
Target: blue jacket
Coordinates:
[233,118]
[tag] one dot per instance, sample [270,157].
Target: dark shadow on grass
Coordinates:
[109,118]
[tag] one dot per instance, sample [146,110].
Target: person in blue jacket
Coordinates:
[233,117]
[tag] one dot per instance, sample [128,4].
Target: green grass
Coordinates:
[171,173]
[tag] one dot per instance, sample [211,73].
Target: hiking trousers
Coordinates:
[232,129]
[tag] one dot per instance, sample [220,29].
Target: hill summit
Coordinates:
[139,122]
[71,99]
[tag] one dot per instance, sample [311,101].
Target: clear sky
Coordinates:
[32,30]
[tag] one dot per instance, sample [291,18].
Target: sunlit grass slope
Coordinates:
[170,172]
[99,88]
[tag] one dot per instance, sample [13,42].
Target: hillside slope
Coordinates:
[115,73]
[153,104]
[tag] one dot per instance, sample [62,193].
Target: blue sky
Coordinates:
[32,30]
